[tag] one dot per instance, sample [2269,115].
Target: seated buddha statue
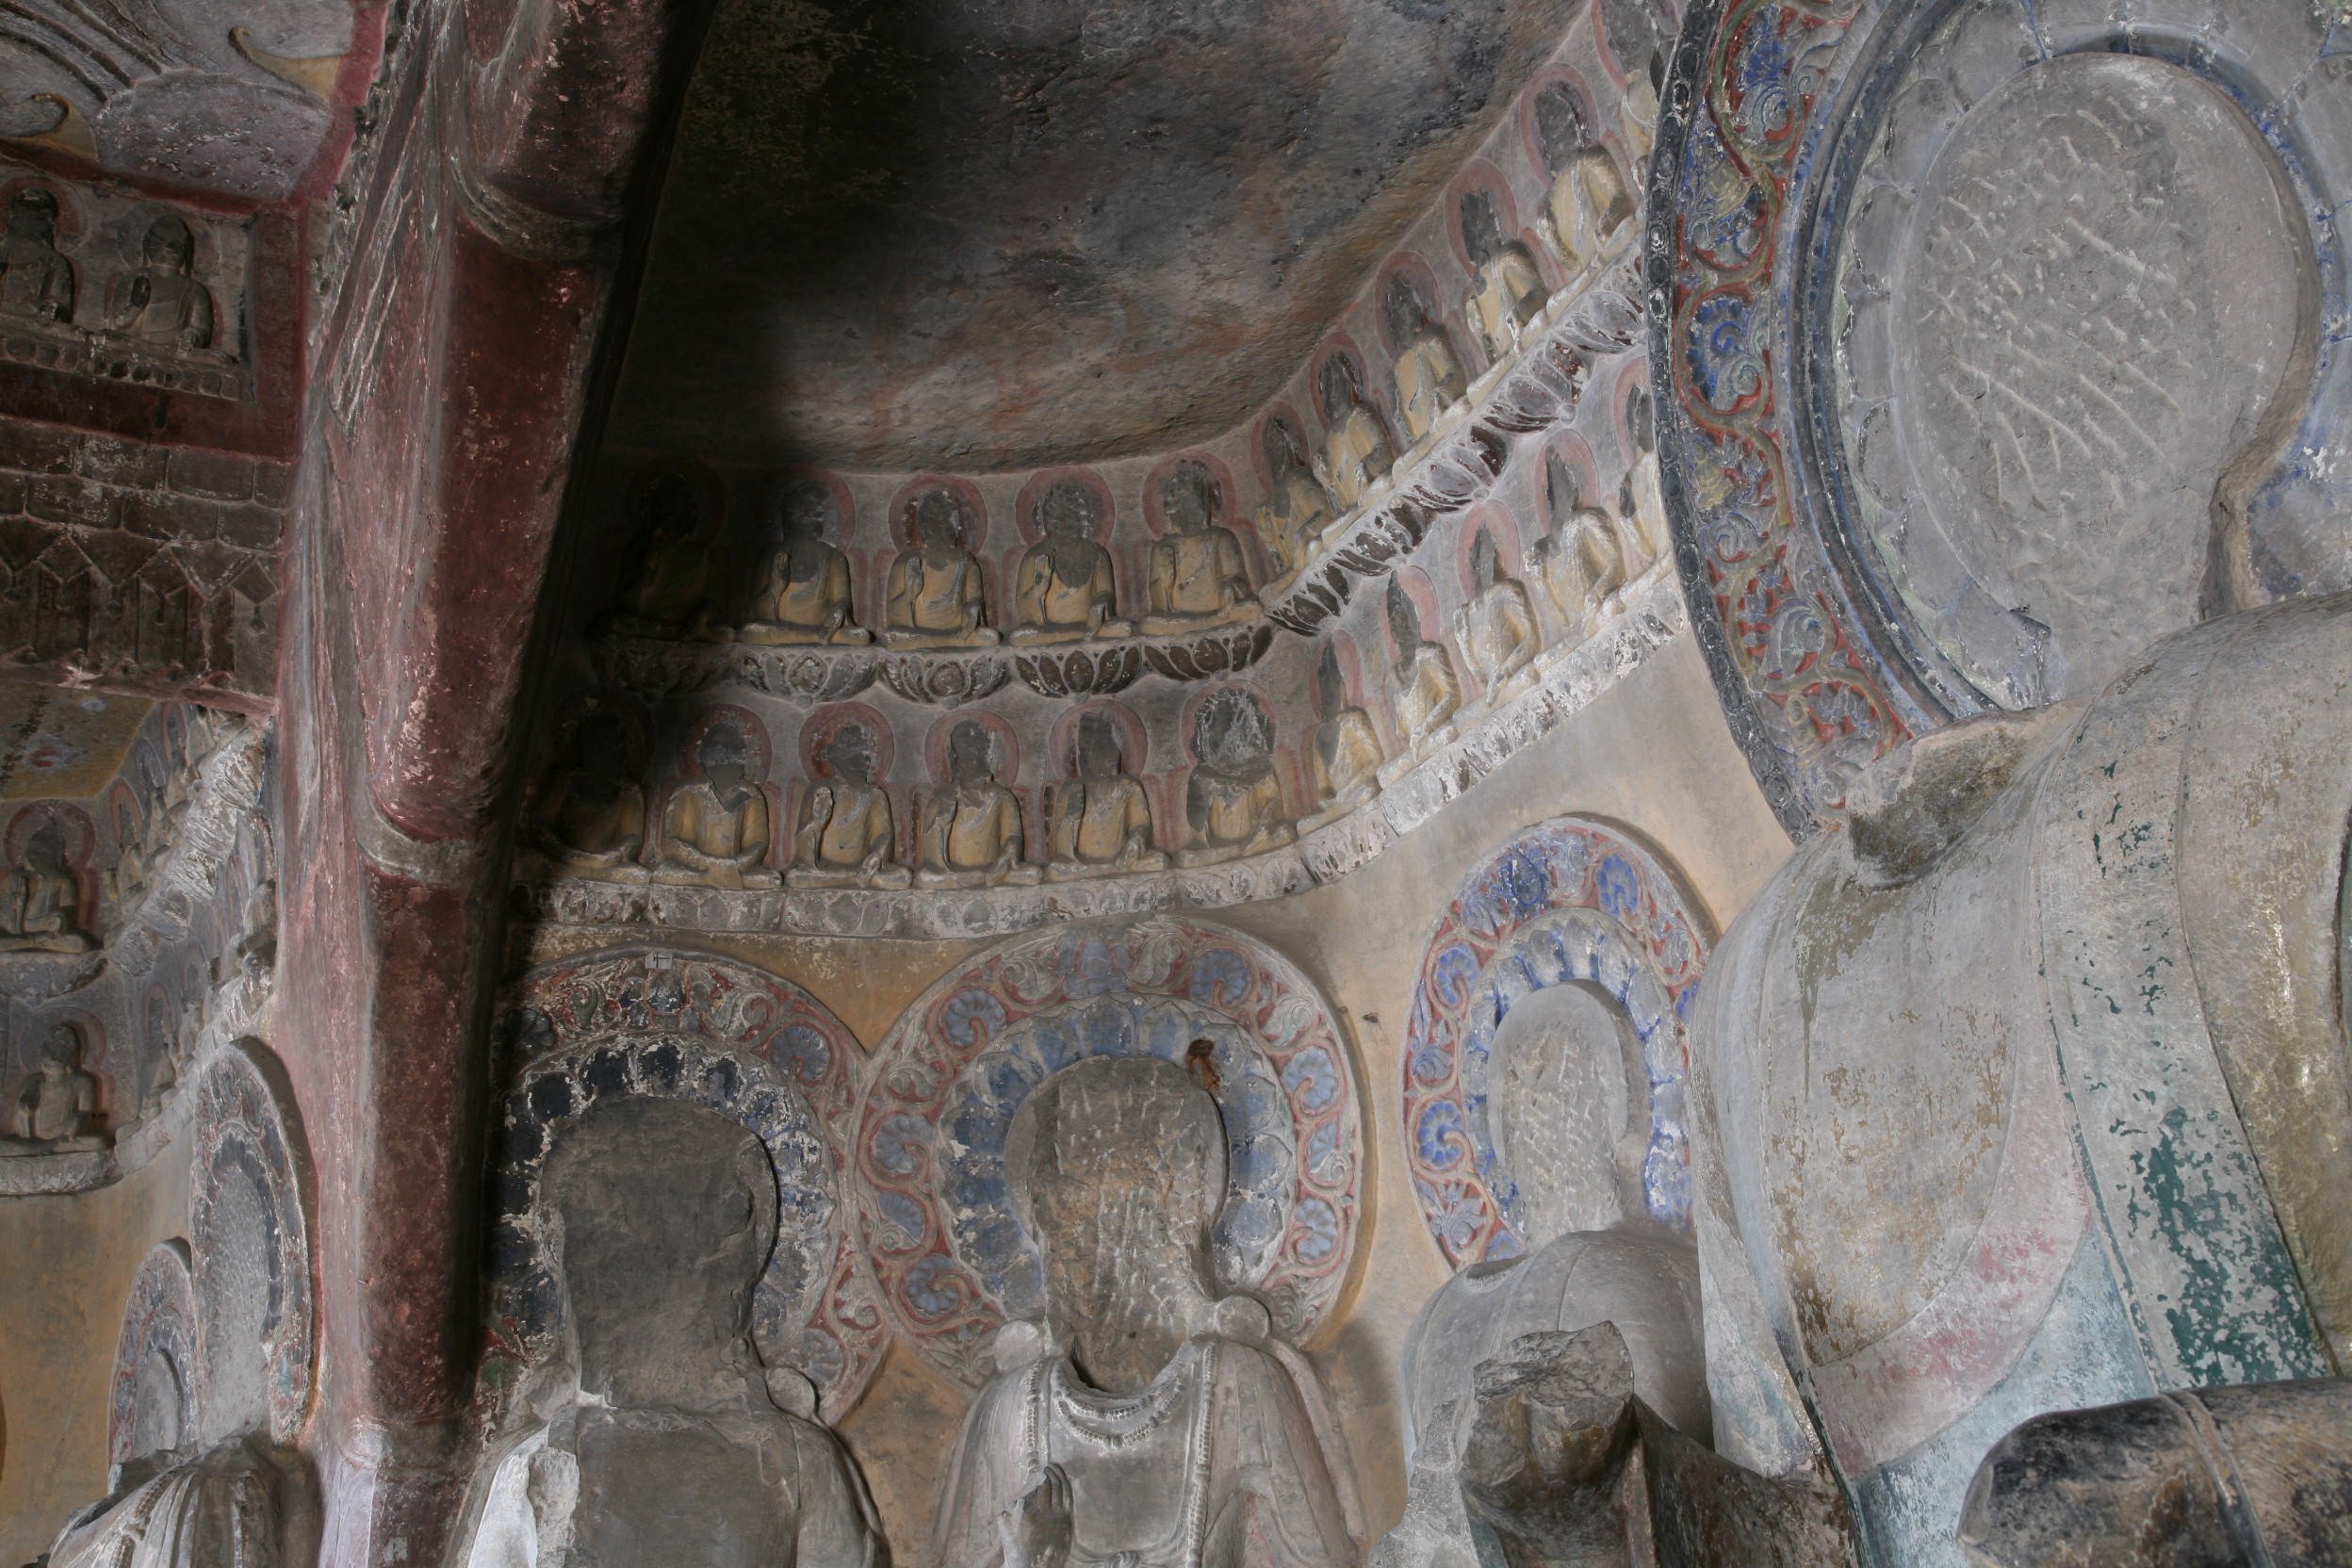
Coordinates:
[40,901]
[1102,819]
[1588,202]
[1357,454]
[845,836]
[1430,384]
[1143,1421]
[801,592]
[1234,801]
[970,835]
[1507,289]
[57,1108]
[1296,509]
[936,597]
[714,829]
[589,816]
[1198,578]
[669,577]
[1497,627]
[1424,692]
[1639,501]
[1065,588]
[35,281]
[661,1436]
[159,301]
[1346,759]
[1582,560]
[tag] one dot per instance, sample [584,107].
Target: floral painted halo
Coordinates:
[729,1039]
[1566,902]
[935,1209]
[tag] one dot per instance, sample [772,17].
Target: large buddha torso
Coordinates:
[982,820]
[1195,569]
[1060,604]
[937,588]
[699,817]
[858,821]
[805,604]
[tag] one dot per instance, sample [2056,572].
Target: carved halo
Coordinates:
[732,1039]
[1570,900]
[249,1136]
[159,1319]
[934,1210]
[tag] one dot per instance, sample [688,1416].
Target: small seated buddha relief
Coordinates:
[1198,578]
[1101,818]
[936,596]
[1234,801]
[57,1109]
[1296,509]
[589,816]
[1581,563]
[1065,588]
[1346,756]
[1431,387]
[1507,289]
[1424,691]
[160,301]
[1587,204]
[801,591]
[714,828]
[40,901]
[669,576]
[1640,500]
[845,836]
[1497,627]
[36,281]
[970,834]
[1357,452]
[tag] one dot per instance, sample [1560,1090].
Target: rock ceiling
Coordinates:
[987,236]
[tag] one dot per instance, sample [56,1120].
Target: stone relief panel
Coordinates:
[1546,1055]
[936,1212]
[153,1396]
[249,1233]
[1914,345]
[665,1025]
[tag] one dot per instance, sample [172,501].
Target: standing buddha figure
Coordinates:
[36,283]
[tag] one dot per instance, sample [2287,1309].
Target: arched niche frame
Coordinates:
[153,1399]
[250,1246]
[1846,542]
[675,1023]
[934,1207]
[1576,907]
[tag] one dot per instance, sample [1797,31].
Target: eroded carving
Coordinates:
[1588,202]
[1496,627]
[1507,290]
[670,575]
[1101,818]
[715,827]
[1433,388]
[1199,578]
[1296,509]
[1142,1420]
[936,596]
[160,301]
[1581,562]
[971,833]
[59,1109]
[589,816]
[1357,454]
[1234,800]
[802,592]
[36,283]
[40,901]
[845,837]
[1065,588]
[1347,757]
[1424,691]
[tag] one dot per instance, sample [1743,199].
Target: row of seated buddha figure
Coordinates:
[157,302]
[40,901]
[58,1108]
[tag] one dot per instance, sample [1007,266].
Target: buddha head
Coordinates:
[1101,752]
[1115,1167]
[672,508]
[1404,620]
[1559,126]
[33,215]
[849,754]
[169,246]
[1481,231]
[938,523]
[1330,686]
[802,515]
[60,1054]
[1066,518]
[44,852]
[1486,562]
[1279,445]
[1337,381]
[970,752]
[1406,312]
[1233,734]
[725,754]
[660,1216]
[1190,499]
[598,758]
